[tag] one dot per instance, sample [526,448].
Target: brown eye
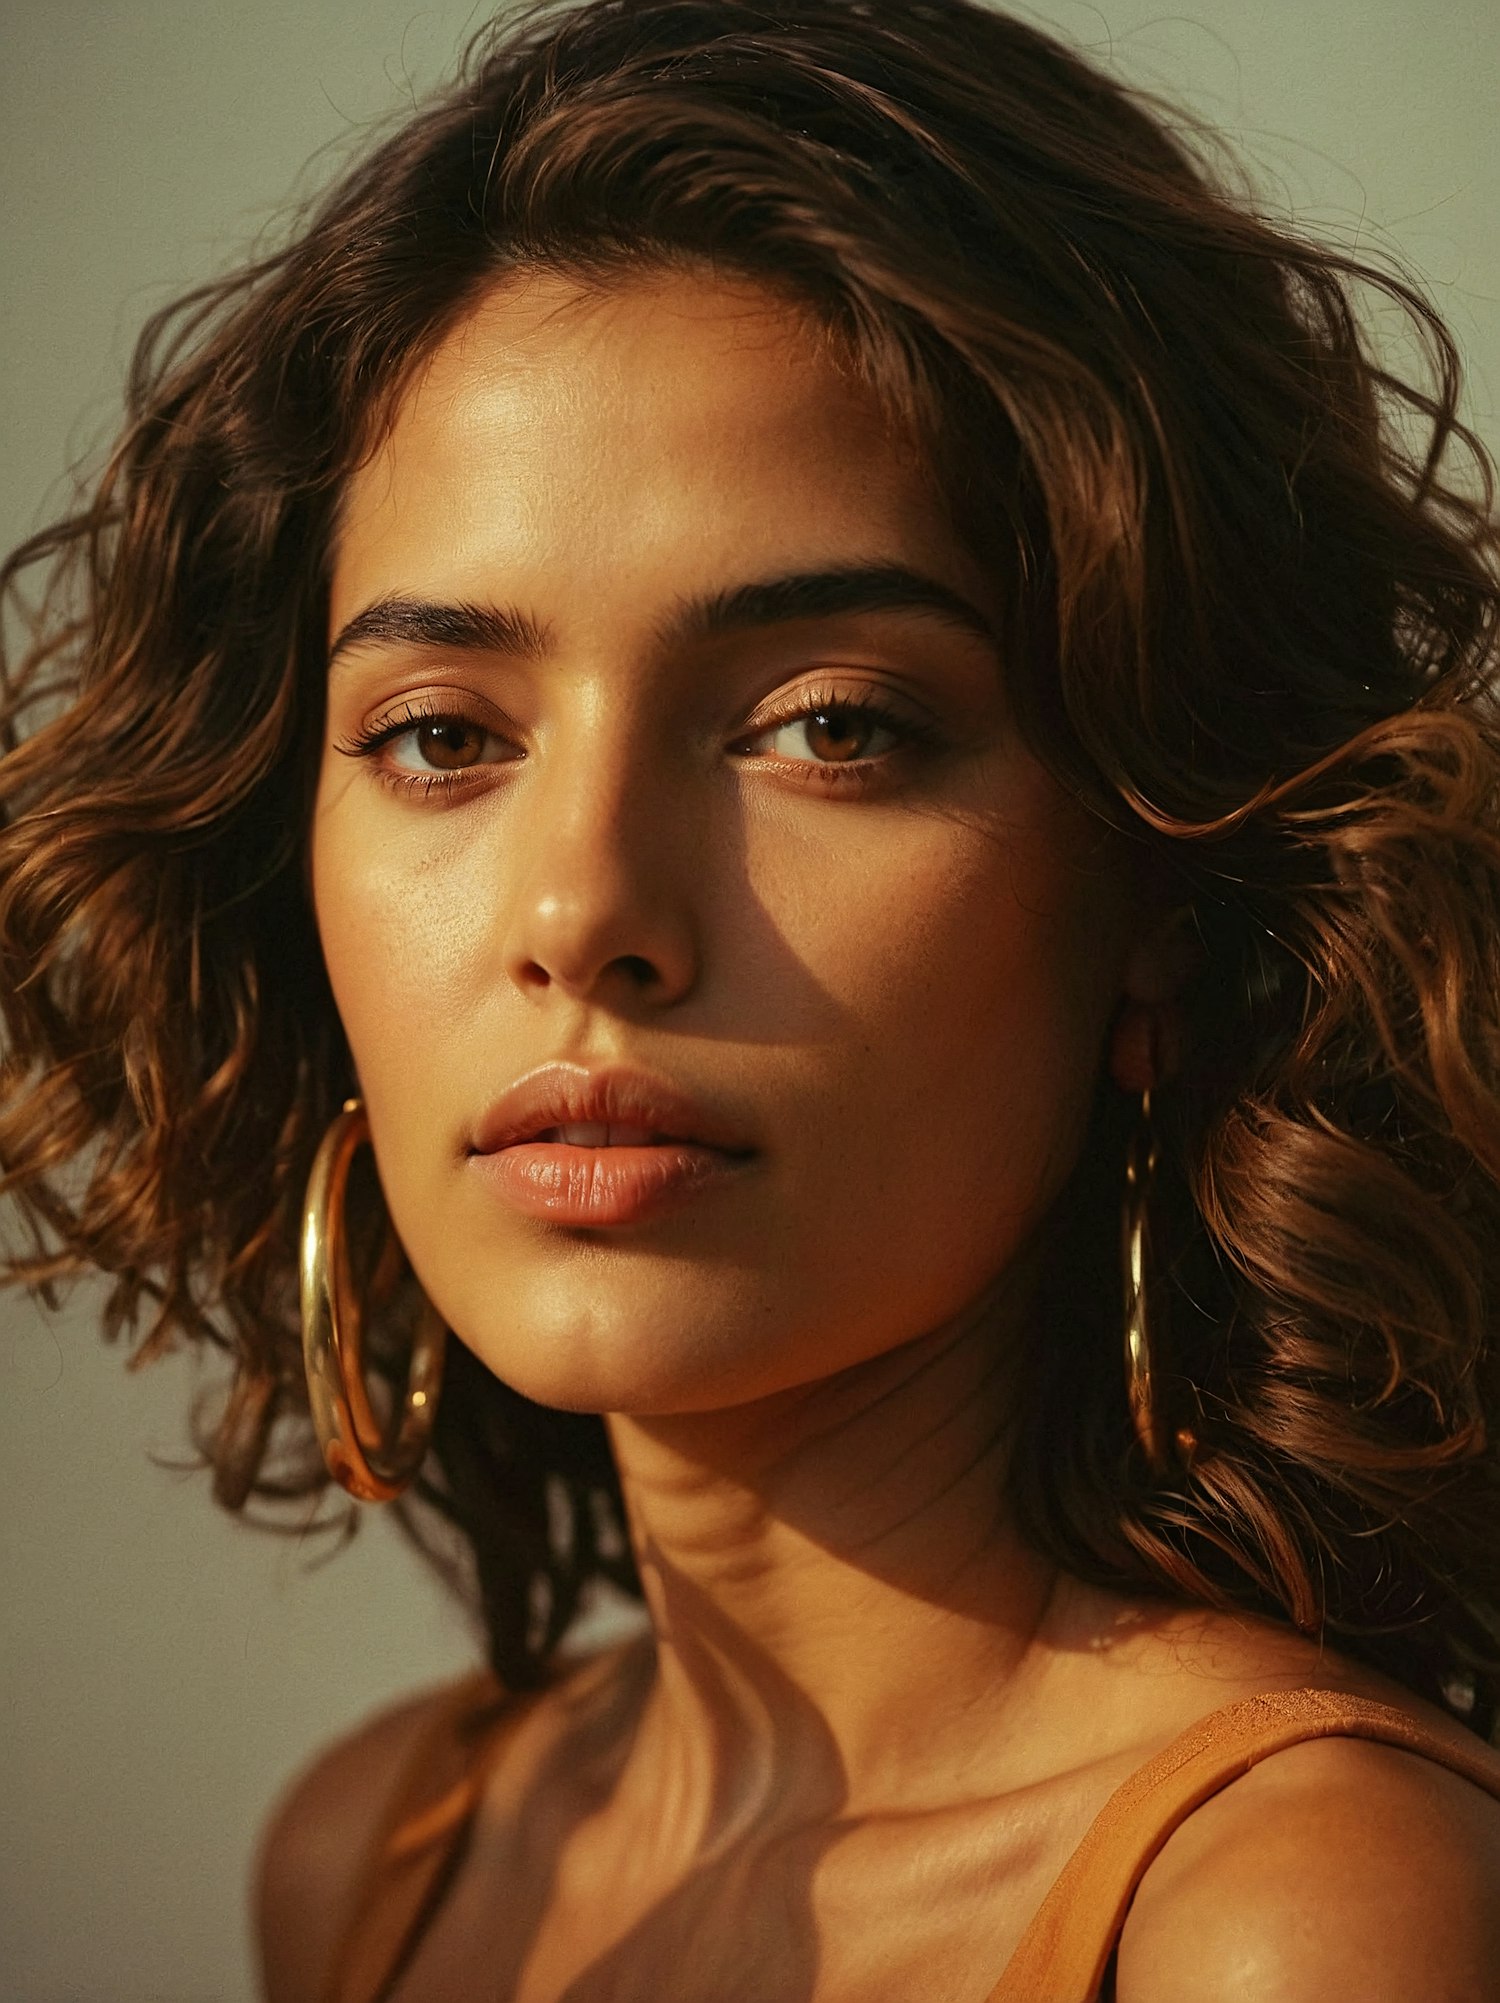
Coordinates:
[441,744]
[837,734]
[431,749]
[832,734]
[450,744]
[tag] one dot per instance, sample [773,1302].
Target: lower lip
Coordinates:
[603,1186]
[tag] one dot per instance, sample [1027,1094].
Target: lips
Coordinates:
[594,1149]
[600,1134]
[569,1105]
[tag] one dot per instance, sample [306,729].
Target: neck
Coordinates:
[834,1583]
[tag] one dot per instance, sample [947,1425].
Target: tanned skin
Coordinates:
[868,1724]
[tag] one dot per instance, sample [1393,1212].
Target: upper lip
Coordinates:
[561,1094]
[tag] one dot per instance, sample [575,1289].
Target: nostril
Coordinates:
[635,969]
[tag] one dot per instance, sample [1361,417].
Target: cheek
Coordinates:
[975,964]
[400,920]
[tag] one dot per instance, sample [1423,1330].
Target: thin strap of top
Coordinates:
[1065,1953]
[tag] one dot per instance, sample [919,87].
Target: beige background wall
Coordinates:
[162,1668]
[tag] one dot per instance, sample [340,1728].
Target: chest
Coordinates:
[845,1912]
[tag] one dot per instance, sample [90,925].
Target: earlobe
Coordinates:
[1136,1055]
[1147,1041]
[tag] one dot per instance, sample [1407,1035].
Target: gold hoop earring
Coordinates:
[1140,1167]
[354,1448]
[1135,1251]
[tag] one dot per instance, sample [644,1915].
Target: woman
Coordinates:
[834,702]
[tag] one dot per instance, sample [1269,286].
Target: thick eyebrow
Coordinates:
[397,621]
[805,594]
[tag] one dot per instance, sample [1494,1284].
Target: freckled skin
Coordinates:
[900,993]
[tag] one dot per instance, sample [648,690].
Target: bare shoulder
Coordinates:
[314,1848]
[317,1836]
[1339,1868]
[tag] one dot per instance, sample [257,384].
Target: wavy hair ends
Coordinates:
[1253,586]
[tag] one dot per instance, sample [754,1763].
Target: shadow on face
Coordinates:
[667,734]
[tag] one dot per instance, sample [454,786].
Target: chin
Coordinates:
[591,1361]
[584,1329]
[587,1382]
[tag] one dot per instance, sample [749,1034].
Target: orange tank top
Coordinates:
[1067,1951]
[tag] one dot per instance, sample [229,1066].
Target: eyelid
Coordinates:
[408,713]
[877,699]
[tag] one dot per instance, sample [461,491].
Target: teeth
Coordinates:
[596,1134]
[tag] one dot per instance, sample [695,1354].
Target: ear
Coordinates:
[1149,1033]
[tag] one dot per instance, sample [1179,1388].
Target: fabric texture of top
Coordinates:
[1066,1953]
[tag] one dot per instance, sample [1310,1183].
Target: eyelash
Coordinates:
[410,717]
[860,772]
[911,734]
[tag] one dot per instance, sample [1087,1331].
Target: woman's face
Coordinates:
[825,959]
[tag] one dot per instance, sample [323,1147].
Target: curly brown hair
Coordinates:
[1253,590]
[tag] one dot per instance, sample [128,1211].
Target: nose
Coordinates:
[602,911]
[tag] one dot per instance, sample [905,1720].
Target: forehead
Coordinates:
[620,358]
[693,418]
